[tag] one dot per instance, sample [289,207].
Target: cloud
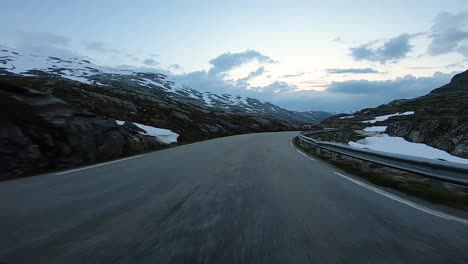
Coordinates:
[101,47]
[449,33]
[44,43]
[150,62]
[336,97]
[251,75]
[454,65]
[44,38]
[402,87]
[213,80]
[95,46]
[393,49]
[278,87]
[359,94]
[293,75]
[351,71]
[228,61]
[175,67]
[339,40]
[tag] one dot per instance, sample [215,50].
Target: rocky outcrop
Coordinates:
[39,132]
[440,119]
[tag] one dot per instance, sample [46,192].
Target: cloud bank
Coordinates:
[393,50]
[449,33]
[351,71]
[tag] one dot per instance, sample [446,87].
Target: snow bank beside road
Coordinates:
[165,136]
[399,145]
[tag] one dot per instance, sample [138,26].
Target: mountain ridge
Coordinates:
[83,71]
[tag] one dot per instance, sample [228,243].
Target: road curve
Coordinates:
[241,199]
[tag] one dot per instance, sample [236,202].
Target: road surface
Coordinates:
[242,199]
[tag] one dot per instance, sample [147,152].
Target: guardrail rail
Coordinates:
[437,169]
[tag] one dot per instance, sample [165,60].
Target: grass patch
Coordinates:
[428,189]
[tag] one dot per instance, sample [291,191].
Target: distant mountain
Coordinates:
[438,119]
[84,71]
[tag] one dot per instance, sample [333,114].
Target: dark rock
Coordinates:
[39,132]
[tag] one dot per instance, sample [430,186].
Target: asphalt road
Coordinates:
[241,199]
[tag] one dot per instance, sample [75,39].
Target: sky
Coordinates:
[302,55]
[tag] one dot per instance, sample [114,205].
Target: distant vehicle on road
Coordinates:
[310,127]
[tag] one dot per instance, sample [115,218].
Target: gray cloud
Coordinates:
[338,97]
[44,38]
[402,87]
[351,71]
[454,65]
[44,43]
[101,47]
[150,62]
[95,46]
[251,75]
[449,33]
[278,87]
[293,75]
[339,40]
[229,61]
[213,79]
[359,94]
[393,49]
[175,67]
[420,68]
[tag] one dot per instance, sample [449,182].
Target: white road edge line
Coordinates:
[97,165]
[186,145]
[403,201]
[305,155]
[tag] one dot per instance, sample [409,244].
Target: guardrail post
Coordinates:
[317,150]
[365,166]
[334,156]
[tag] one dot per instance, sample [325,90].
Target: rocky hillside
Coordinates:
[438,119]
[144,83]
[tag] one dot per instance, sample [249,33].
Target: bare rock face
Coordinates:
[39,132]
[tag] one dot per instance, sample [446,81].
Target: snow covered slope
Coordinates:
[83,71]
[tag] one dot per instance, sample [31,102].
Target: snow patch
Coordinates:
[399,145]
[346,117]
[165,136]
[385,117]
[375,129]
[207,99]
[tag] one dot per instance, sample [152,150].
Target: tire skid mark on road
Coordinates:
[403,201]
[178,205]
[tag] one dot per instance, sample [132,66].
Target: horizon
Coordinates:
[336,67]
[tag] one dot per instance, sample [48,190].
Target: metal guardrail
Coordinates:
[437,169]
